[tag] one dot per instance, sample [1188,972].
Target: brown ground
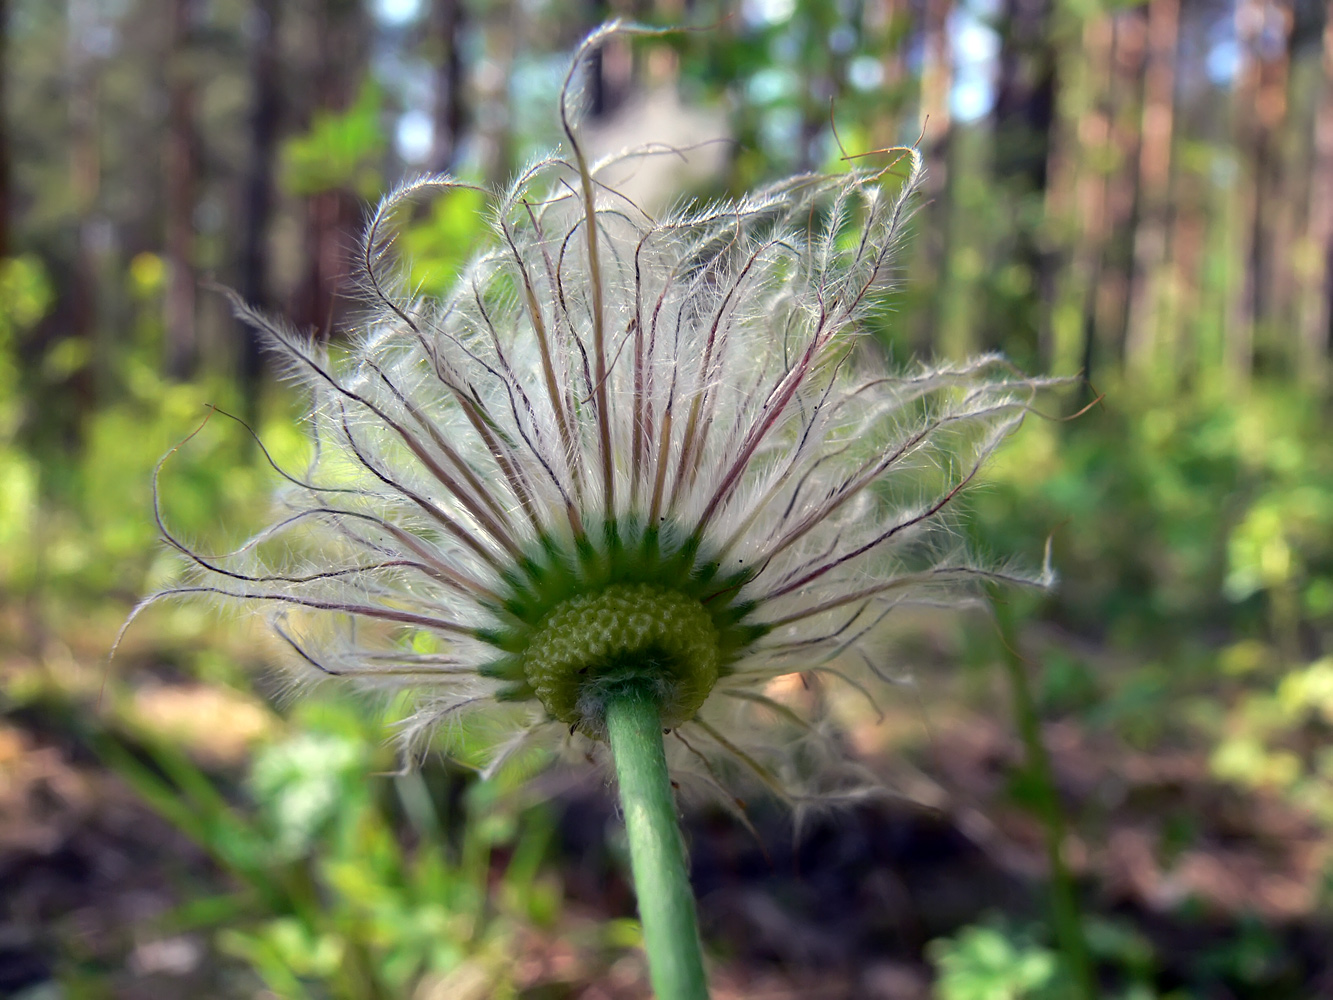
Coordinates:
[89,871]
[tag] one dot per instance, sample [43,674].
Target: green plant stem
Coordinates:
[1064,899]
[657,853]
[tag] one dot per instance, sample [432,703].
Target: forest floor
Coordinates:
[1205,876]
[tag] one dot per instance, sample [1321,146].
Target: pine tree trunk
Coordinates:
[265,112]
[1077,190]
[1259,96]
[445,30]
[6,197]
[1279,188]
[894,65]
[1142,328]
[333,218]
[80,292]
[493,128]
[1123,97]
[941,334]
[1316,328]
[181,170]
[1024,116]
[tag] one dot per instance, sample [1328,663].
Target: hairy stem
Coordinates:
[657,853]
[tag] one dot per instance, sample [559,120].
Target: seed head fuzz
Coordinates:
[625,449]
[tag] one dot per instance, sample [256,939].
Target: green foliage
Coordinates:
[440,245]
[25,297]
[340,149]
[1175,509]
[100,532]
[1181,516]
[333,900]
[1251,960]
[983,963]
[19,478]
[1000,961]
[1273,739]
[298,784]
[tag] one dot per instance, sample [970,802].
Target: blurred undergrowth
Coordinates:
[352,882]
[1194,543]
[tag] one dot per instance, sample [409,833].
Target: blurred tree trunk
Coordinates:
[494,122]
[265,110]
[825,67]
[1273,52]
[181,180]
[1239,334]
[81,294]
[1272,234]
[1025,93]
[598,101]
[1077,191]
[610,67]
[1316,329]
[341,35]
[1023,118]
[1282,188]
[1143,327]
[1123,108]
[941,333]
[6,197]
[936,72]
[445,31]
[885,20]
[1259,93]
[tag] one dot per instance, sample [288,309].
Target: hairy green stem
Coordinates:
[657,853]
[1064,899]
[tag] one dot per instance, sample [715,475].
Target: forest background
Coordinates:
[1140,193]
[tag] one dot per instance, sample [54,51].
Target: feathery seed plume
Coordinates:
[624,450]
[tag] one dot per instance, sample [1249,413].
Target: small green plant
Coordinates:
[332,900]
[340,150]
[1038,780]
[984,963]
[25,296]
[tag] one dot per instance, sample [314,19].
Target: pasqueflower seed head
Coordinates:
[625,449]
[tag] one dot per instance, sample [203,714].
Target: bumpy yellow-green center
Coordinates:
[591,647]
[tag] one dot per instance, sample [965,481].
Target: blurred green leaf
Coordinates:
[340,149]
[981,963]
